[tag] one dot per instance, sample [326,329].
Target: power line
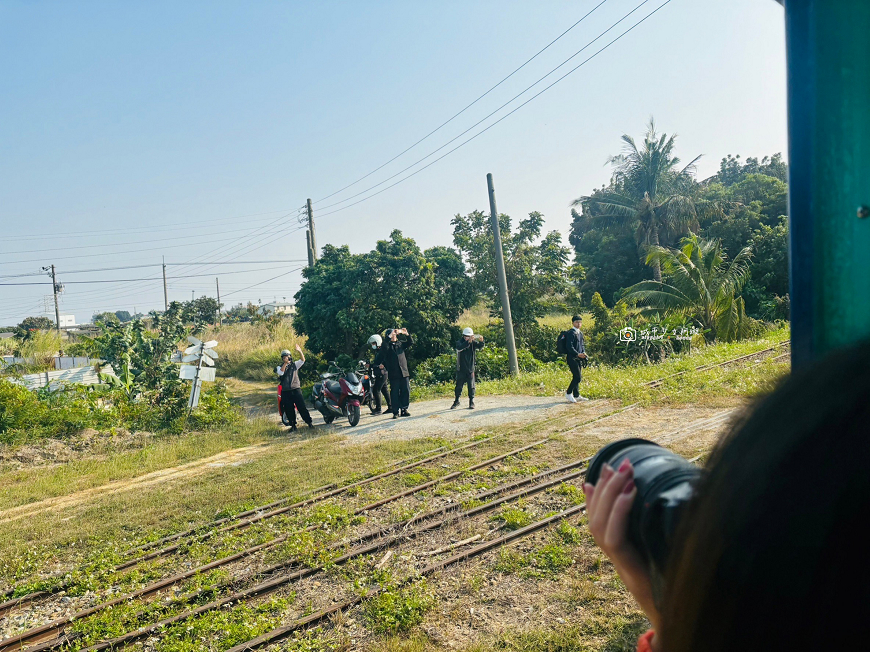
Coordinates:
[112,295]
[100,295]
[170,238]
[417,162]
[76,234]
[134,280]
[483,131]
[262,283]
[468,106]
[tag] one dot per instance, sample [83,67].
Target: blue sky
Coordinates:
[195,130]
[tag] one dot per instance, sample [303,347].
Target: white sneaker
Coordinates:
[580,398]
[570,398]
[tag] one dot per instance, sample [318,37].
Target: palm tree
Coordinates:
[701,284]
[649,193]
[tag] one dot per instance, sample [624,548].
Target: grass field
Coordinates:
[626,383]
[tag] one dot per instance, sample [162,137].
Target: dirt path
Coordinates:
[686,429]
[197,467]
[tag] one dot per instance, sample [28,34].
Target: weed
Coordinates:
[568,533]
[395,610]
[513,518]
[229,626]
[551,559]
[331,516]
[509,561]
[571,492]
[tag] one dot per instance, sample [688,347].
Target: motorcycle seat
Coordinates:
[333,387]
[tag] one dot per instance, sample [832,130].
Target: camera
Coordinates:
[665,484]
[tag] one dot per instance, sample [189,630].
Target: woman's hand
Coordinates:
[608,505]
[298,348]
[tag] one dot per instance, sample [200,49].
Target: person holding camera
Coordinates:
[391,359]
[466,361]
[379,379]
[291,388]
[769,552]
[575,353]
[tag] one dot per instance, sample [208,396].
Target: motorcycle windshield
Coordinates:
[352,378]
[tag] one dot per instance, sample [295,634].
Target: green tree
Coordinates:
[200,312]
[700,284]
[650,194]
[346,297]
[31,325]
[123,315]
[732,171]
[536,268]
[100,318]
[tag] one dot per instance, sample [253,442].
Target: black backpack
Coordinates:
[562,343]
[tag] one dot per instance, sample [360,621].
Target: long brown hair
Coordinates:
[773,554]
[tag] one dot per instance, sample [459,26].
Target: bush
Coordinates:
[27,415]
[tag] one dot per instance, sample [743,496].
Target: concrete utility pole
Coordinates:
[311,231]
[502,281]
[165,293]
[829,174]
[218,286]
[56,308]
[308,247]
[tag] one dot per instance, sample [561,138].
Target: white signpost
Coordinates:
[202,353]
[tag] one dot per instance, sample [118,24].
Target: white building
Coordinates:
[277,308]
[67,321]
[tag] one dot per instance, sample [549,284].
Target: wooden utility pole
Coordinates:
[311,232]
[308,246]
[218,287]
[502,281]
[165,293]
[56,308]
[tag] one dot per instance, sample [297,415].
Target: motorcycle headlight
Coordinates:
[355,389]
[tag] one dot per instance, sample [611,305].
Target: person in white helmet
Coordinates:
[379,378]
[466,361]
[291,388]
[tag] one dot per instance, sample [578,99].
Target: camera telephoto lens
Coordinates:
[665,485]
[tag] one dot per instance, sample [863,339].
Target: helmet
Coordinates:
[388,332]
[286,352]
[467,331]
[376,340]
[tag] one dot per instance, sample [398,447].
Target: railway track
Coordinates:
[660,381]
[255,515]
[54,628]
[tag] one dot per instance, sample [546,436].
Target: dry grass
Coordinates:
[41,347]
[250,351]
[478,317]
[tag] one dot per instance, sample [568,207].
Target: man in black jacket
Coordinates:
[576,349]
[391,358]
[466,361]
[379,380]
[291,388]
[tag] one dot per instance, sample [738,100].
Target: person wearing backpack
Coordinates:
[466,360]
[572,345]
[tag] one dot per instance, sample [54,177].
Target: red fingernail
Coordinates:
[624,466]
[629,487]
